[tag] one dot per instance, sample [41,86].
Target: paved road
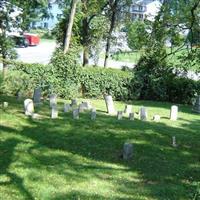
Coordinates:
[37,54]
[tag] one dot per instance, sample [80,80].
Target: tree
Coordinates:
[9,20]
[70,25]
[137,35]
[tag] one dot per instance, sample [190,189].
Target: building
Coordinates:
[144,9]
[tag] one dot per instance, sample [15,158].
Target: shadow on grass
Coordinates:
[89,147]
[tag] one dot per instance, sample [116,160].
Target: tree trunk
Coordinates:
[85,56]
[85,41]
[112,25]
[70,25]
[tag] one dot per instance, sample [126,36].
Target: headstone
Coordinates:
[174,141]
[5,104]
[196,107]
[28,107]
[76,114]
[127,151]
[53,100]
[67,107]
[86,105]
[19,95]
[93,114]
[156,118]
[143,113]
[128,109]
[54,112]
[35,116]
[119,115]
[174,113]
[131,116]
[109,104]
[74,103]
[37,95]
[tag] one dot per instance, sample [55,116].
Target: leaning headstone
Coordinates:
[119,115]
[156,118]
[196,107]
[143,113]
[93,114]
[174,141]
[5,104]
[174,113]
[128,109]
[109,104]
[28,107]
[74,103]
[54,112]
[131,116]
[76,114]
[53,100]
[37,95]
[67,107]
[127,151]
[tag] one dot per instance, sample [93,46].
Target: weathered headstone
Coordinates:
[28,107]
[67,107]
[5,104]
[75,114]
[174,113]
[19,95]
[128,109]
[196,107]
[54,112]
[93,114]
[174,141]
[119,115]
[143,113]
[37,95]
[127,151]
[74,103]
[131,116]
[156,118]
[35,116]
[53,100]
[109,104]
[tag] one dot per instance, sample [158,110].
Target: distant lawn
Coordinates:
[66,159]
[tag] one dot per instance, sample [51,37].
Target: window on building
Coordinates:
[140,8]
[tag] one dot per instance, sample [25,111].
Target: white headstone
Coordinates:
[174,141]
[131,116]
[53,100]
[156,118]
[93,114]
[5,104]
[37,95]
[109,104]
[28,107]
[67,107]
[54,112]
[119,115]
[174,113]
[128,109]
[196,107]
[35,116]
[76,114]
[143,113]
[127,151]
[74,103]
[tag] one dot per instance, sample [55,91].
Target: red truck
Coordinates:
[32,39]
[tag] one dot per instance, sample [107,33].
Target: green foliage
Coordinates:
[98,81]
[137,35]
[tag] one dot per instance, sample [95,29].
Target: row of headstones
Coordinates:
[143,111]
[128,149]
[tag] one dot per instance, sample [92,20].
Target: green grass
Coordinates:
[81,159]
[131,57]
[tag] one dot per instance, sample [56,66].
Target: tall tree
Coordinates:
[70,25]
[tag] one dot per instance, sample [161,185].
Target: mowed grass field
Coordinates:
[66,159]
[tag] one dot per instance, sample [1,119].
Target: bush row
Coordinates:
[66,78]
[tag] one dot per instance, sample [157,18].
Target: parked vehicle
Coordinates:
[32,39]
[20,41]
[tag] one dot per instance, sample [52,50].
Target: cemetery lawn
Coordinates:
[66,159]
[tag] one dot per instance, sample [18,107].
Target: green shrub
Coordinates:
[99,81]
